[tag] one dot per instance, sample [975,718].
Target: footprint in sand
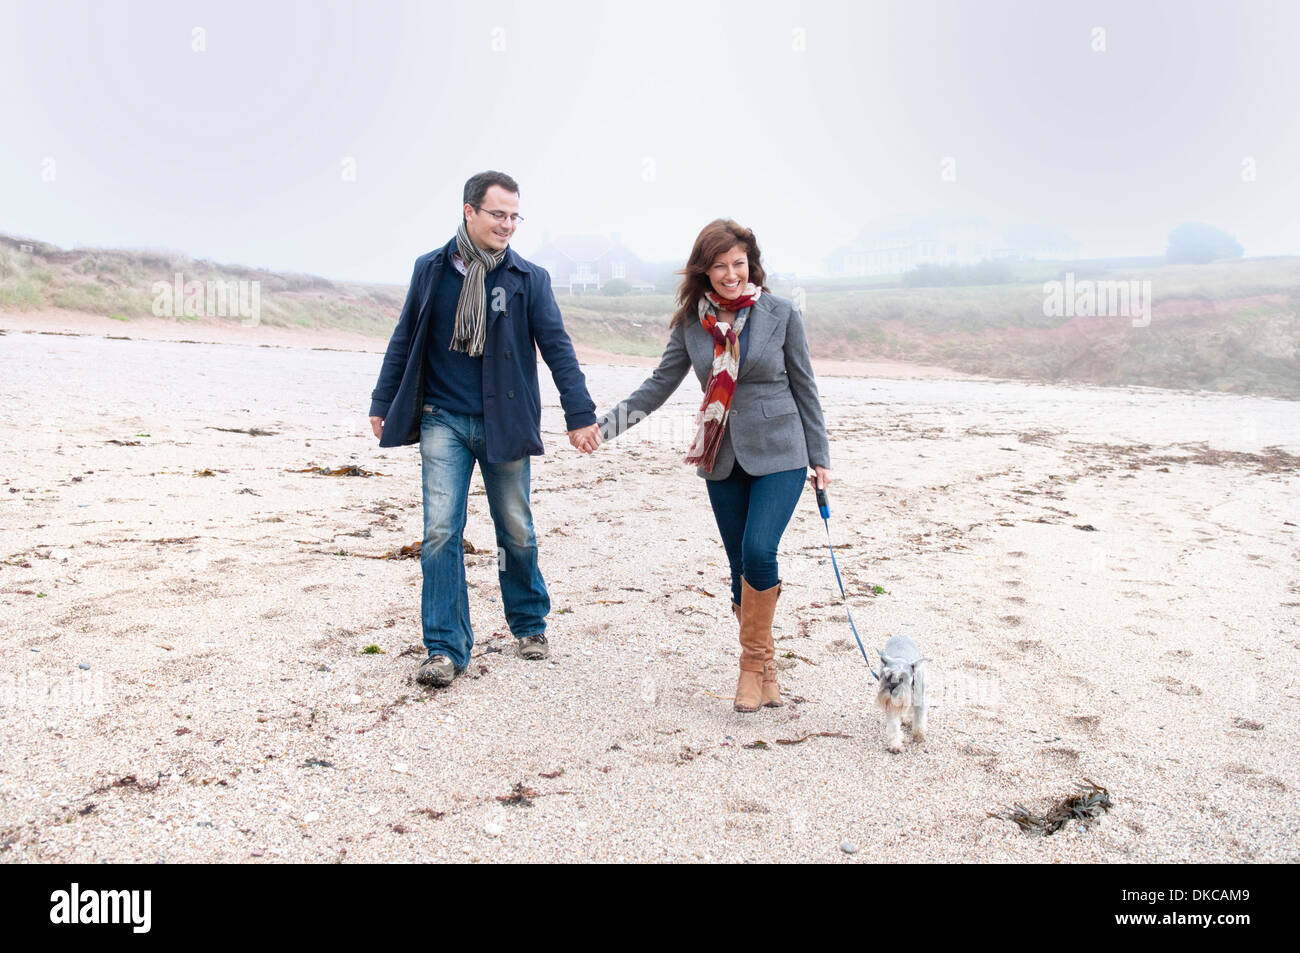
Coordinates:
[1061,757]
[1268,783]
[1178,687]
[1032,647]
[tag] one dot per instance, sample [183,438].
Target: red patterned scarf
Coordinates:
[711,423]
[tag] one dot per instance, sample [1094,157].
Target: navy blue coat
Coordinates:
[512,405]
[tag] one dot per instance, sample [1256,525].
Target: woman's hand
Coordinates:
[821,479]
[585,439]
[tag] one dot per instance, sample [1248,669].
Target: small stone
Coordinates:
[84,666]
[372,811]
[493,829]
[401,768]
[848,847]
[354,699]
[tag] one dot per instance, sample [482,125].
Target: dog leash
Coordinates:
[823,504]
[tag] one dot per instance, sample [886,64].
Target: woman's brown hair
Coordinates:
[715,240]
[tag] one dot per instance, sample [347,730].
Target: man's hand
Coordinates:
[377,425]
[821,479]
[586,439]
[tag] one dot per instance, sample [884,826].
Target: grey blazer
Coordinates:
[775,422]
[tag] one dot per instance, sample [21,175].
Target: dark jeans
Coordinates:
[450,444]
[752,513]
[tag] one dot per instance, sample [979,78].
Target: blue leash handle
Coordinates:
[823,504]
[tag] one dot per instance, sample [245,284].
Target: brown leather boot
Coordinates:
[771,691]
[756,611]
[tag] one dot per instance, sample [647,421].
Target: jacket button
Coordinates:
[508,354]
[510,394]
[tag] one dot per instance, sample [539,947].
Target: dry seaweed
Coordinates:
[338,471]
[519,796]
[812,734]
[1089,804]
[251,431]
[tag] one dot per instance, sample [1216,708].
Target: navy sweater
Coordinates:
[453,380]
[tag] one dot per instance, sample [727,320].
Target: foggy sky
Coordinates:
[643,120]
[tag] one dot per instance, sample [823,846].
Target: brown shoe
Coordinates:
[756,611]
[771,691]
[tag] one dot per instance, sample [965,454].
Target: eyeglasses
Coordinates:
[501,216]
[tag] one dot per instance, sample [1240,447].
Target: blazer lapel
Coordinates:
[762,328]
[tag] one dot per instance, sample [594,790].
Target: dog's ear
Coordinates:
[883,661]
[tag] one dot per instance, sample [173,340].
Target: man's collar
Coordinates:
[511,259]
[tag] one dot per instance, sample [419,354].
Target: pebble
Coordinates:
[84,666]
[848,847]
[492,829]
[401,768]
[311,816]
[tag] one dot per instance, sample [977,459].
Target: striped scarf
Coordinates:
[711,423]
[471,308]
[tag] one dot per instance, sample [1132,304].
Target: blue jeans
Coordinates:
[752,513]
[449,445]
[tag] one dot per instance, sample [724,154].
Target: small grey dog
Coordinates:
[902,690]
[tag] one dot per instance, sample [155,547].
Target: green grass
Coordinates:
[1000,330]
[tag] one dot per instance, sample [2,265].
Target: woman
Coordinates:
[759,429]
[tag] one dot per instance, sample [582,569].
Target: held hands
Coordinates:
[821,479]
[586,439]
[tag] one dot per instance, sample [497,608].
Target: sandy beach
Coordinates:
[1105,581]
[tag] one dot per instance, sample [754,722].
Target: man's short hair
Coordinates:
[478,185]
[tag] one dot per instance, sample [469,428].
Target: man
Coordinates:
[460,378]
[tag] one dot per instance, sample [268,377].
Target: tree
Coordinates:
[615,286]
[1195,243]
